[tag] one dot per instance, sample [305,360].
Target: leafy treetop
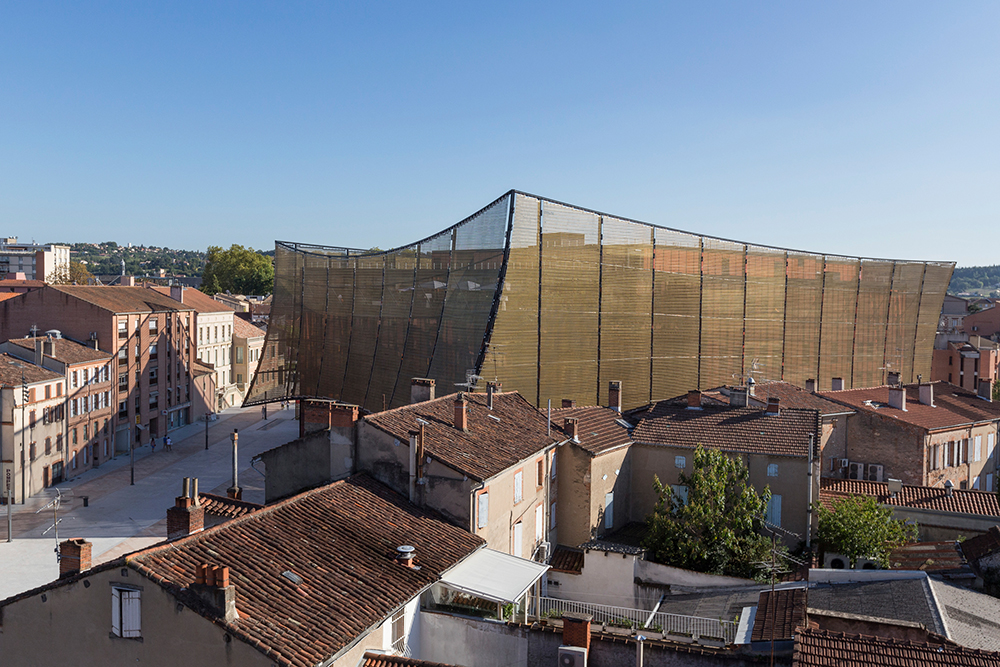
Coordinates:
[858,527]
[238,270]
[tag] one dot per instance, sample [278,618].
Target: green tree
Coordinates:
[717,529]
[75,274]
[238,270]
[858,527]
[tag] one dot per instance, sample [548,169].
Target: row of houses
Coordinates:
[89,372]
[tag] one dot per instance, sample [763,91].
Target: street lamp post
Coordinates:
[207,415]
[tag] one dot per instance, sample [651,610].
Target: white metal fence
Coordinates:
[669,624]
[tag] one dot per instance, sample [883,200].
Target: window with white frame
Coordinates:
[126,613]
[483,510]
[772,469]
[518,486]
[539,523]
[680,462]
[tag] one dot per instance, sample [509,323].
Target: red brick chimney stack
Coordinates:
[694,399]
[772,406]
[421,389]
[568,403]
[572,428]
[615,395]
[74,557]
[811,385]
[461,416]
[576,629]
[343,416]
[187,516]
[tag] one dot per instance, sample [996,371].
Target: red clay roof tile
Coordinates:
[122,299]
[789,395]
[961,501]
[64,350]
[380,660]
[783,611]
[823,648]
[954,406]
[598,430]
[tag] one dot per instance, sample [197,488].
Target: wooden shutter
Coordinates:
[116,603]
[483,512]
[539,523]
[131,616]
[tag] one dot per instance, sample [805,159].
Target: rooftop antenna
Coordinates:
[471,380]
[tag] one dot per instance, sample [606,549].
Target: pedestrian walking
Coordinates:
[168,444]
[152,444]
[263,412]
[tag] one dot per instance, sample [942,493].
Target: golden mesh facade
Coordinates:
[554,301]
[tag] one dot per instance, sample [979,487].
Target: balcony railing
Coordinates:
[695,627]
[399,647]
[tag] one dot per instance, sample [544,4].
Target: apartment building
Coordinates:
[32,428]
[967,361]
[924,435]
[35,261]
[213,328]
[248,346]
[91,417]
[148,335]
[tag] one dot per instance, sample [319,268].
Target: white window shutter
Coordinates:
[681,492]
[131,616]
[116,611]
[609,510]
[774,511]
[518,486]
[990,443]
[539,523]
[484,510]
[979,448]
[518,535]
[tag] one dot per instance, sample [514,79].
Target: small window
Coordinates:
[552,468]
[73,379]
[552,516]
[483,510]
[48,391]
[680,462]
[126,616]
[518,486]
[540,472]
[609,511]
[772,470]
[681,492]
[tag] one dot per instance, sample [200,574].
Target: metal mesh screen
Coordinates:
[555,301]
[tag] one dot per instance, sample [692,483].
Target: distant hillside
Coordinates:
[975,278]
[106,258]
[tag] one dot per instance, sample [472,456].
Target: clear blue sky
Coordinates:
[856,128]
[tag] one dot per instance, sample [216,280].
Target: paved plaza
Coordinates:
[119,517]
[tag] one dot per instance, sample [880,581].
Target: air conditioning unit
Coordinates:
[844,463]
[866,564]
[874,473]
[856,471]
[836,562]
[572,656]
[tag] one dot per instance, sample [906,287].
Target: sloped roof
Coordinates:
[937,557]
[196,299]
[962,501]
[567,560]
[972,618]
[495,440]
[224,506]
[122,299]
[4,296]
[749,430]
[822,648]
[382,660]
[599,429]
[899,599]
[976,547]
[954,406]
[244,329]
[779,613]
[340,539]
[64,350]
[12,370]
[789,396]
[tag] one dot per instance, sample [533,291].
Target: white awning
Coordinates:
[494,576]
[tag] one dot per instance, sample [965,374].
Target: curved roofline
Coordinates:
[357,252]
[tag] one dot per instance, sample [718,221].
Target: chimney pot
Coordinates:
[201,574]
[772,406]
[74,557]
[186,487]
[421,389]
[405,555]
[491,389]
[572,426]
[194,492]
[222,577]
[926,393]
[738,397]
[949,487]
[615,395]
[694,399]
[568,403]
[811,385]
[461,417]
[897,398]
[986,389]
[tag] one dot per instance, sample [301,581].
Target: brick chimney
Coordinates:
[491,389]
[187,516]
[74,557]
[615,395]
[811,385]
[694,400]
[576,629]
[127,281]
[177,293]
[568,403]
[772,406]
[211,584]
[421,389]
[837,384]
[572,428]
[985,389]
[897,398]
[461,416]
[343,416]
[738,397]
[926,390]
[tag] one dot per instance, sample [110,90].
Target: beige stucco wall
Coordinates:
[72,627]
[586,480]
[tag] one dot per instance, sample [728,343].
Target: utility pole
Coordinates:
[207,415]
[24,402]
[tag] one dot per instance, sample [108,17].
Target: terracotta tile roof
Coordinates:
[66,351]
[927,556]
[567,560]
[789,396]
[962,501]
[976,547]
[494,441]
[12,282]
[598,430]
[749,430]
[226,507]
[122,299]
[244,329]
[195,299]
[13,369]
[379,660]
[10,295]
[340,540]
[822,648]
[954,406]
[782,612]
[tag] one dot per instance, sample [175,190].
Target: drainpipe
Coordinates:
[413,466]
[809,497]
